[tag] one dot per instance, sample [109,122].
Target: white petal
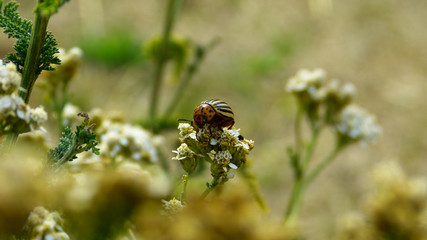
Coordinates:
[232,165]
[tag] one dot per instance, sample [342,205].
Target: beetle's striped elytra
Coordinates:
[214,112]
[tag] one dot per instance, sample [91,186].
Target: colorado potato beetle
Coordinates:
[214,112]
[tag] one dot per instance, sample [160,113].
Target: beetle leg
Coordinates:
[232,124]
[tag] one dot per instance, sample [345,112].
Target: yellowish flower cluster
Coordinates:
[395,209]
[172,206]
[232,216]
[45,225]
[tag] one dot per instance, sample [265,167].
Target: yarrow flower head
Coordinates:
[10,79]
[69,114]
[186,131]
[355,124]
[45,225]
[70,62]
[336,93]
[221,157]
[54,82]
[37,116]
[306,81]
[172,207]
[17,117]
[187,158]
[330,104]
[224,149]
[121,140]
[307,87]
[394,208]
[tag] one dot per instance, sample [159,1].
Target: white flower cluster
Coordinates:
[70,62]
[312,86]
[14,113]
[183,152]
[230,138]
[10,79]
[172,206]
[330,104]
[335,92]
[120,140]
[358,125]
[73,56]
[186,131]
[306,80]
[69,114]
[221,157]
[45,225]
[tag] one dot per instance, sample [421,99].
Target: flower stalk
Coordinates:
[322,105]
[192,68]
[173,8]
[209,188]
[253,185]
[185,179]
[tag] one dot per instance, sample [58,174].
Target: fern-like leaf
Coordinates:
[16,27]
[73,143]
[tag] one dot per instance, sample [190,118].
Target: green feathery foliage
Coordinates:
[73,143]
[49,7]
[16,27]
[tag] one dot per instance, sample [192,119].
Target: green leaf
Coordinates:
[20,29]
[73,143]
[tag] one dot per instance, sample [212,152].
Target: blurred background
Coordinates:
[379,46]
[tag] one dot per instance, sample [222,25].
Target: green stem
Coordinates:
[209,189]
[191,70]
[253,185]
[295,201]
[131,235]
[297,129]
[29,75]
[325,162]
[69,154]
[310,148]
[173,7]
[185,179]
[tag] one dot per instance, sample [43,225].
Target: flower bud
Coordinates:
[187,158]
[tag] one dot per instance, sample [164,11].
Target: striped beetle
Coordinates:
[214,112]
